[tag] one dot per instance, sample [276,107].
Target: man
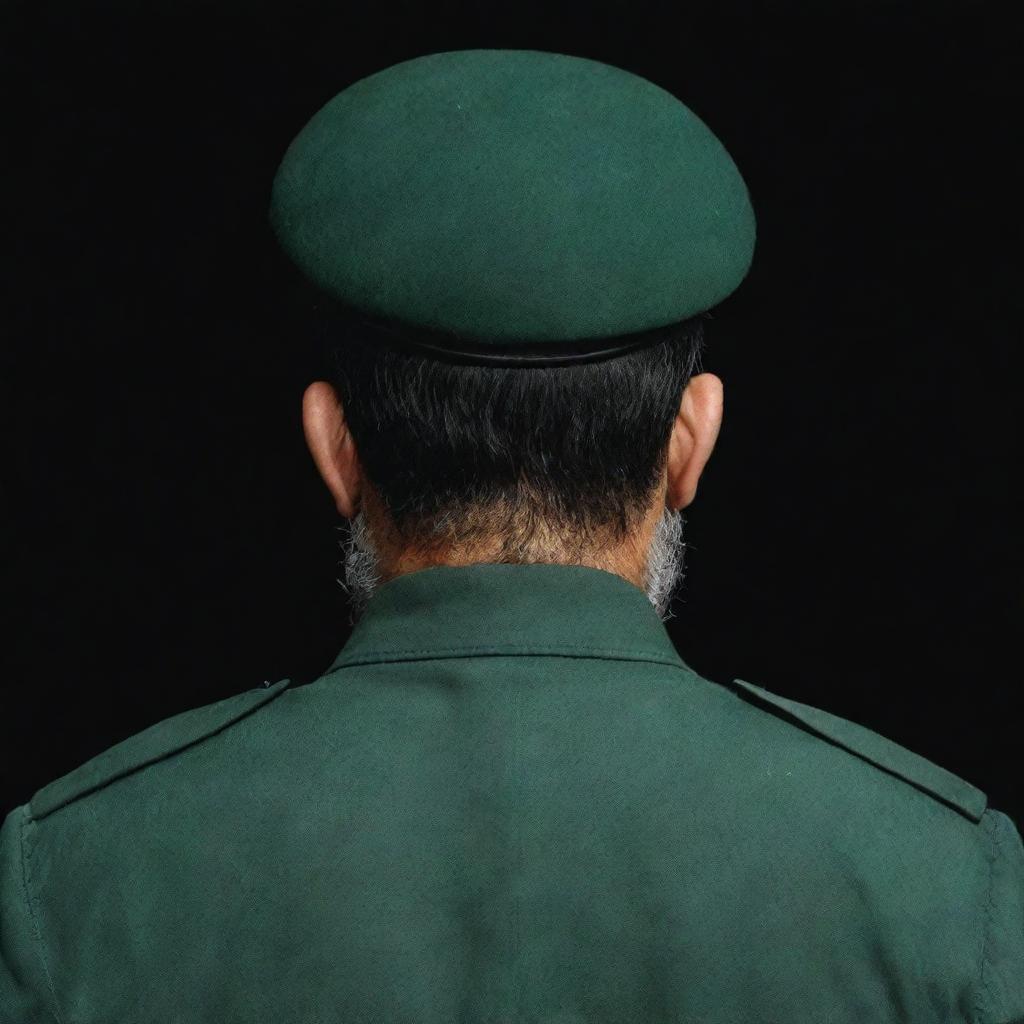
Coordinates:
[509,799]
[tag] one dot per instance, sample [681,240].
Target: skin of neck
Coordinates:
[651,558]
[395,558]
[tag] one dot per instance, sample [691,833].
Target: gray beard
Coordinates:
[663,570]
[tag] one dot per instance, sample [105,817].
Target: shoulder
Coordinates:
[903,766]
[162,740]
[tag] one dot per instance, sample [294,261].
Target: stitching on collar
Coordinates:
[516,650]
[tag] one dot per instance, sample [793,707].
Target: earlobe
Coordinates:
[680,449]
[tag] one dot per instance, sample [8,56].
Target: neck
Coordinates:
[652,560]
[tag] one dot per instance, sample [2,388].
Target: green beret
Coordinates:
[513,207]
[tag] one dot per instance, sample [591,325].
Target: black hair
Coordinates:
[461,454]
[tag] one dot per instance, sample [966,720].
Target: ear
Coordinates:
[332,447]
[693,437]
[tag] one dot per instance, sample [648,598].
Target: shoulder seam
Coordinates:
[27,893]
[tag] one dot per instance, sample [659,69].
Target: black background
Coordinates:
[854,543]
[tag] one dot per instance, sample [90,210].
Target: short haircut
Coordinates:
[463,454]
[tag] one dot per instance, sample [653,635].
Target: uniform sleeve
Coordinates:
[24,986]
[1001,985]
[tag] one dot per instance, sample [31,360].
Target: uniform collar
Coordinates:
[508,609]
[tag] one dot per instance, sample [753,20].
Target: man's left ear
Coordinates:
[332,446]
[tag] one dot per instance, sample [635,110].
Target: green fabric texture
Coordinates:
[510,800]
[513,195]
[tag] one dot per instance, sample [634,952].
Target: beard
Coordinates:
[662,576]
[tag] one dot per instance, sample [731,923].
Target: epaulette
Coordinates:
[153,744]
[883,753]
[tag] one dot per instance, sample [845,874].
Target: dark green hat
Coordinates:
[513,207]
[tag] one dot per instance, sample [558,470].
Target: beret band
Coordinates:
[338,323]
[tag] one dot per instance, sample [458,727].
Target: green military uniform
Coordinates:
[509,800]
